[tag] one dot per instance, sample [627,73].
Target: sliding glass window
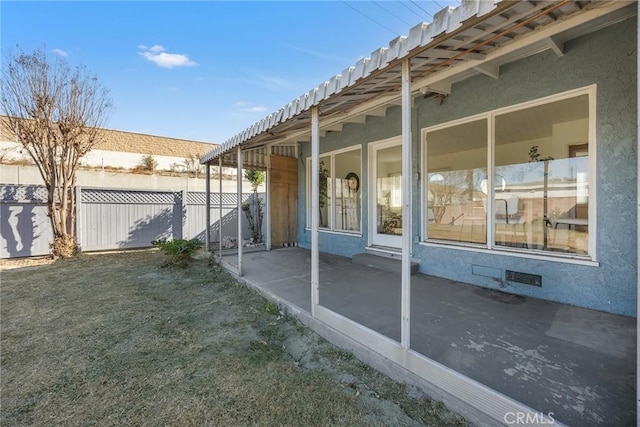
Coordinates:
[541,177]
[340,192]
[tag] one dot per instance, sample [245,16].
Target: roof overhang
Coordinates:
[477,37]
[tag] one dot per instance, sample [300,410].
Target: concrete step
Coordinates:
[391,265]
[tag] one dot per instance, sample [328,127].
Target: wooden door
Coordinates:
[283,188]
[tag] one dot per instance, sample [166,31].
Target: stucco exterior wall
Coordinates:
[607,58]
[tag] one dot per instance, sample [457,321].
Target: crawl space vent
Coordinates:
[524,278]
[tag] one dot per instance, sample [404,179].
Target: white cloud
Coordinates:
[156,48]
[60,53]
[255,109]
[157,55]
[246,107]
[272,83]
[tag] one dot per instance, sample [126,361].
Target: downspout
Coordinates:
[407,223]
[315,208]
[637,226]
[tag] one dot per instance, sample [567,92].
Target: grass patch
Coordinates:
[116,339]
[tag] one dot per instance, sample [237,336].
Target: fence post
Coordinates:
[185,194]
[78,223]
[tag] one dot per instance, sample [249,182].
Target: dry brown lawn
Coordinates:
[116,339]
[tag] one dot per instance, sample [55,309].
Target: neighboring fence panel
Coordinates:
[196,216]
[24,226]
[122,219]
[114,219]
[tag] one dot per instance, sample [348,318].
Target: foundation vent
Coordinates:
[524,278]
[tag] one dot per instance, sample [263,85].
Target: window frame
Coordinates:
[490,117]
[332,211]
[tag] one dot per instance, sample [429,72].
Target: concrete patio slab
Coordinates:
[575,364]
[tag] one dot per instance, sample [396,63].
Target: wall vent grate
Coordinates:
[524,278]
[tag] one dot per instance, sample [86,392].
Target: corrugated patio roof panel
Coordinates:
[377,60]
[440,24]
[346,77]
[299,105]
[417,35]
[359,69]
[395,50]
[467,10]
[484,7]
[470,27]
[334,85]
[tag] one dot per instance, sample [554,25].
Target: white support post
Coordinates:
[638,233]
[267,202]
[78,224]
[490,194]
[239,177]
[183,213]
[315,209]
[207,184]
[407,224]
[220,205]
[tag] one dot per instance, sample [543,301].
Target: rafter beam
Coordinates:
[335,127]
[490,70]
[556,45]
[447,53]
[528,40]
[442,87]
[378,112]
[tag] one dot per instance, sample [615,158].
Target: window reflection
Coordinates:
[540,185]
[547,176]
[456,167]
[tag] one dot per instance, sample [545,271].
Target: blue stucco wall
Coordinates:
[606,58]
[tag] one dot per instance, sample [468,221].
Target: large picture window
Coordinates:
[456,168]
[532,196]
[340,192]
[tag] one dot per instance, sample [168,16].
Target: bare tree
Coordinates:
[57,113]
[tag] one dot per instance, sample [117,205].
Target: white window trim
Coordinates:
[331,212]
[490,247]
[394,141]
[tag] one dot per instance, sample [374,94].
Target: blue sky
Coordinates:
[207,70]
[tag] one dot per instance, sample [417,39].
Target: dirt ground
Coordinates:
[118,339]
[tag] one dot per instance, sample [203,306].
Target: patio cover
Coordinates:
[459,43]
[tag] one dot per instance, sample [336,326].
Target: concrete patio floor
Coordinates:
[576,364]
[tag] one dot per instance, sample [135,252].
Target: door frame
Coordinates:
[374,237]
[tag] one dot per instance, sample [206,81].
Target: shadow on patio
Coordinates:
[574,364]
